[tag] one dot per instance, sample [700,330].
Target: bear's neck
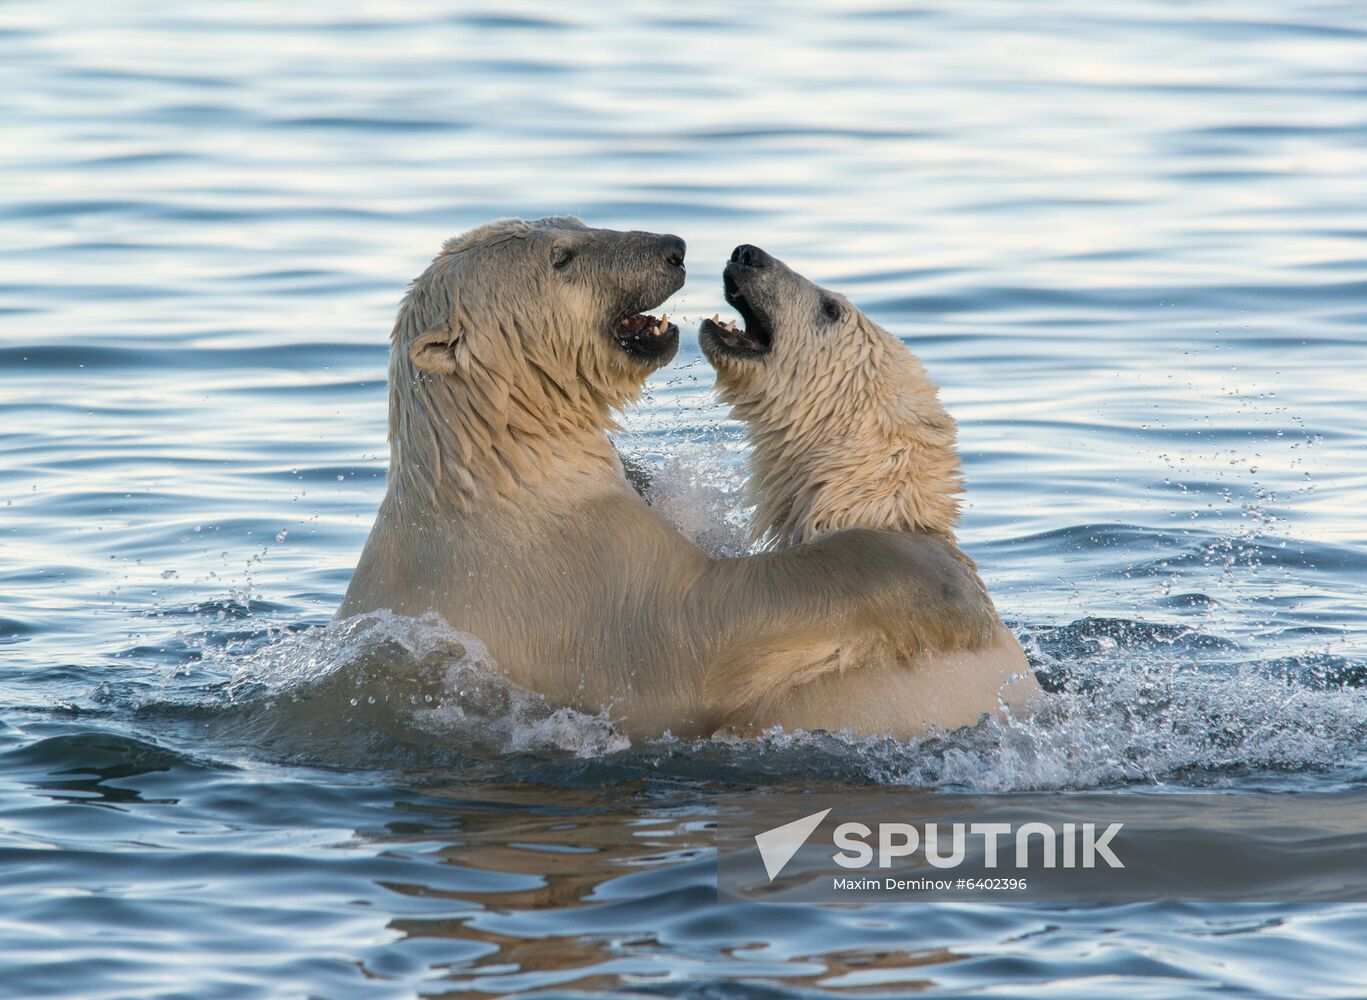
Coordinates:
[461,447]
[874,449]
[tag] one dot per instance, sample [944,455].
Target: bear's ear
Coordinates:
[439,350]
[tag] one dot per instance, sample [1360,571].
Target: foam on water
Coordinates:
[1137,707]
[345,687]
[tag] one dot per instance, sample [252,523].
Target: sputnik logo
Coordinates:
[777,846]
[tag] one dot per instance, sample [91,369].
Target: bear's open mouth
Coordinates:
[754,339]
[646,337]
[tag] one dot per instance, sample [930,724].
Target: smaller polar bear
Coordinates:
[848,432]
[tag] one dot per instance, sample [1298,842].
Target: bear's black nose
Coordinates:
[674,250]
[750,256]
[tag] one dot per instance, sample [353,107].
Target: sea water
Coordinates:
[1129,241]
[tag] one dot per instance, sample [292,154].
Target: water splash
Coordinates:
[1129,702]
[701,499]
[382,676]
[695,483]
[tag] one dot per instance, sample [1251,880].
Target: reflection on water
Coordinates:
[1127,240]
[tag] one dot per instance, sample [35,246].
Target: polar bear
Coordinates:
[507,512]
[847,431]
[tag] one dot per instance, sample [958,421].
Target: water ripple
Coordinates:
[1128,245]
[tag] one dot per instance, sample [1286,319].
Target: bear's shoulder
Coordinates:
[918,587]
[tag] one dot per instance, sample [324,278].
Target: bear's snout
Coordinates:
[750,256]
[673,249]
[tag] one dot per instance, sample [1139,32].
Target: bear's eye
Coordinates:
[833,309]
[560,257]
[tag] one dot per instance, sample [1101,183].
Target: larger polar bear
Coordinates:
[508,513]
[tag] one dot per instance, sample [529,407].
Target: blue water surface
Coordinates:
[1129,241]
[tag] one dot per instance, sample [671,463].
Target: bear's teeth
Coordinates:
[731,327]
